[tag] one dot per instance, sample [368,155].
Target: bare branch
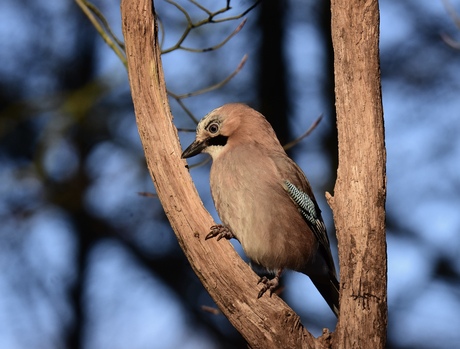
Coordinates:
[182,105]
[103,28]
[162,33]
[456,18]
[453,14]
[242,14]
[204,9]
[201,163]
[451,42]
[188,130]
[215,86]
[211,15]
[186,31]
[148,194]
[304,135]
[105,23]
[179,98]
[181,9]
[215,47]
[211,310]
[209,19]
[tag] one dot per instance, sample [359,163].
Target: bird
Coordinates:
[264,200]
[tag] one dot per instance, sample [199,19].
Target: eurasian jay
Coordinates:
[264,199]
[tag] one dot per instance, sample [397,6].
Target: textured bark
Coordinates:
[264,323]
[360,192]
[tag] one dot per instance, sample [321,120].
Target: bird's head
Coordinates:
[226,126]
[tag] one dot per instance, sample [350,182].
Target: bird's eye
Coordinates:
[213,128]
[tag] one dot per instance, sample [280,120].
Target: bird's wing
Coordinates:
[296,185]
[310,212]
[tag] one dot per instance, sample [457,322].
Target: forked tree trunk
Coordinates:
[266,322]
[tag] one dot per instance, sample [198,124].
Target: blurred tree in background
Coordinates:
[87,262]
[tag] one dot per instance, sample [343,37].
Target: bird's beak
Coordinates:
[194,149]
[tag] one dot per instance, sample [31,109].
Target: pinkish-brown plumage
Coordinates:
[248,185]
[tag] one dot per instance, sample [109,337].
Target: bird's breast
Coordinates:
[251,201]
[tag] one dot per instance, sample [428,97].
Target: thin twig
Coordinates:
[201,163]
[190,130]
[210,19]
[211,310]
[181,9]
[96,18]
[242,14]
[105,23]
[210,14]
[451,42]
[162,33]
[453,14]
[306,134]
[147,194]
[215,47]
[201,7]
[187,30]
[215,86]
[182,105]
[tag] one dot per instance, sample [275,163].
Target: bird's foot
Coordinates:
[269,284]
[220,232]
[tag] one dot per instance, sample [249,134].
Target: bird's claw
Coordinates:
[220,232]
[269,284]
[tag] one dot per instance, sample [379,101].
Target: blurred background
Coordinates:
[88,262]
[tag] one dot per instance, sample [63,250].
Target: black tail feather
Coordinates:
[329,289]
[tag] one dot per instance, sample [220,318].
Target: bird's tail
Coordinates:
[329,289]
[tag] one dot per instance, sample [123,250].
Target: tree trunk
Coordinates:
[360,192]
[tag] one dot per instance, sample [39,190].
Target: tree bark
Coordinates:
[360,192]
[264,323]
